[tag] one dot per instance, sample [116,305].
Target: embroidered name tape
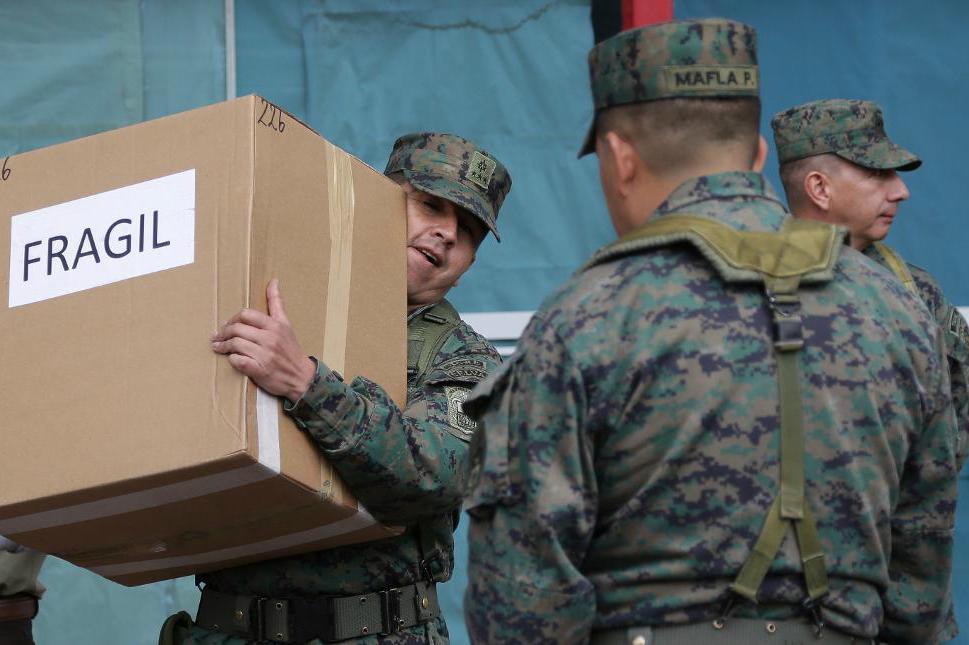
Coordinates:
[702,79]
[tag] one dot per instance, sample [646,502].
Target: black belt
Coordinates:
[733,630]
[22,607]
[328,618]
[16,632]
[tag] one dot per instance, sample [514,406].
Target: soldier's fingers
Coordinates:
[245,364]
[252,317]
[274,299]
[240,330]
[237,346]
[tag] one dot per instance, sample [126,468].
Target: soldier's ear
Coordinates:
[760,158]
[624,162]
[817,188]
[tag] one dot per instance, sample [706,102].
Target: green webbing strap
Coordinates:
[897,266]
[426,335]
[803,251]
[788,507]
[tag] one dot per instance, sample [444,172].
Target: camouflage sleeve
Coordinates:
[916,601]
[403,465]
[956,332]
[533,501]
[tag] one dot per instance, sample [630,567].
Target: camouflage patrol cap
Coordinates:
[706,58]
[852,129]
[454,169]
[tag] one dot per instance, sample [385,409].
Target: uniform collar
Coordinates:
[417,312]
[724,185]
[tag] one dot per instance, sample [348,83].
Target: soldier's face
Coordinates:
[441,242]
[865,201]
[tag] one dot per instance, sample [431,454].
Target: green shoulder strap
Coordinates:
[897,266]
[426,335]
[803,251]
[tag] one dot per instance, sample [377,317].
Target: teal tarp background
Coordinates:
[509,74]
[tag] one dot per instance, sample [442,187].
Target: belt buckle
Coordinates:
[390,620]
[258,620]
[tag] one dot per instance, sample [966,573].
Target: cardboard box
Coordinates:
[128,447]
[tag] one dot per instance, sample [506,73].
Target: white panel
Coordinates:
[499,325]
[267,429]
[230,49]
[103,238]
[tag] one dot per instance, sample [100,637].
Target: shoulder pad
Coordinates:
[805,250]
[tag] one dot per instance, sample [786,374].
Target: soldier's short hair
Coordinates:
[793,173]
[671,134]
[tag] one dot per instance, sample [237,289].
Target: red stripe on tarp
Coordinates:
[636,13]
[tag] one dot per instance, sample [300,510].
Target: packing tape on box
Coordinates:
[341,203]
[141,500]
[267,430]
[361,520]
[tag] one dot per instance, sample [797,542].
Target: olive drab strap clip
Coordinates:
[802,252]
[788,508]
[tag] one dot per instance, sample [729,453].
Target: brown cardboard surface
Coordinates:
[126,439]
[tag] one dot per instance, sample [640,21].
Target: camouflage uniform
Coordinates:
[407,466]
[629,450]
[855,131]
[955,330]
[19,568]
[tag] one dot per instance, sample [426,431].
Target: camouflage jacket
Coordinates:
[407,467]
[629,449]
[18,572]
[956,334]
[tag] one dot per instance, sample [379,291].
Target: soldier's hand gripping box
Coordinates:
[128,447]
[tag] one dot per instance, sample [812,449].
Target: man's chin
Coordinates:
[416,300]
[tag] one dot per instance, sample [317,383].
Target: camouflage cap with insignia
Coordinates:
[706,58]
[850,128]
[454,169]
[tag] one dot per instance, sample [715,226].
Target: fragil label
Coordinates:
[103,238]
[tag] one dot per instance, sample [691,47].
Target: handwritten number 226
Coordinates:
[275,119]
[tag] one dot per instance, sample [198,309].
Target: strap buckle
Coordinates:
[390,620]
[786,310]
[425,564]
[272,619]
[813,608]
[729,604]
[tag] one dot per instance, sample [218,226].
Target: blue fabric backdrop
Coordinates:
[508,73]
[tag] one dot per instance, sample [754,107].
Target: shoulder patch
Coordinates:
[455,410]
[957,325]
[463,369]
